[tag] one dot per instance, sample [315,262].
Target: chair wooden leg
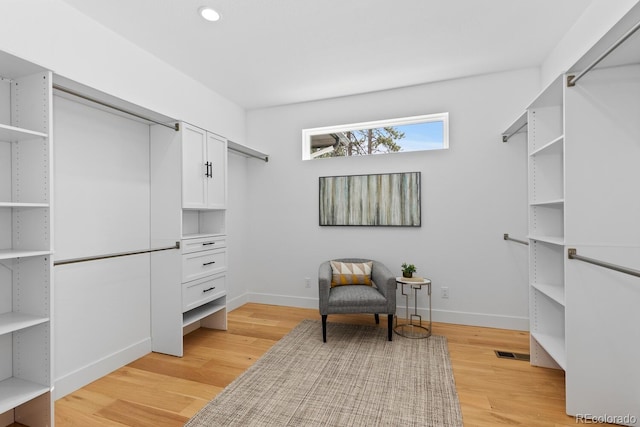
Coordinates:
[377,318]
[324,328]
[390,326]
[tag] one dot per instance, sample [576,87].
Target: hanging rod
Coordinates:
[506,237]
[246,151]
[116,255]
[572,80]
[175,126]
[505,138]
[573,254]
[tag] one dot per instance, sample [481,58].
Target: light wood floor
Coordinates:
[160,390]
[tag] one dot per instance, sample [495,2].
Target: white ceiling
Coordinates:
[264,53]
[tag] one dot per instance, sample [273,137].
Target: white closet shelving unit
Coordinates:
[25,243]
[583,149]
[602,121]
[188,204]
[545,131]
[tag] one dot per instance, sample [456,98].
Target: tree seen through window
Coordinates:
[350,140]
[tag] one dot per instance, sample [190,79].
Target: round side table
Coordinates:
[413,329]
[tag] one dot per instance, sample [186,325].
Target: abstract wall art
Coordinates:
[391,199]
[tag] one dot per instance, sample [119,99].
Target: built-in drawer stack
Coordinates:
[204,266]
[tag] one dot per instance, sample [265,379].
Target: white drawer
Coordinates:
[205,263]
[199,292]
[203,243]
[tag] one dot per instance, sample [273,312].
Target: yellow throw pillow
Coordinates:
[351,273]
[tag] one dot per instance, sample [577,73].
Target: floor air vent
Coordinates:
[512,355]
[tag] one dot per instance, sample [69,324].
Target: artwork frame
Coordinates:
[371,200]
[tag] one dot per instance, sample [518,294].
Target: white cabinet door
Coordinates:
[195,167]
[204,169]
[217,182]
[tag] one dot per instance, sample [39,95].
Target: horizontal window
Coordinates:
[418,133]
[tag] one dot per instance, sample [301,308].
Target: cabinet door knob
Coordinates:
[208,263]
[208,243]
[207,290]
[206,171]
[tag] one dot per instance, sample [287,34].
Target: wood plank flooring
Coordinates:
[160,390]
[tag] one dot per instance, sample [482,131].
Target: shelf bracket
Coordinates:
[570,82]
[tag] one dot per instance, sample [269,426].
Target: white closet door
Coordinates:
[217,182]
[194,167]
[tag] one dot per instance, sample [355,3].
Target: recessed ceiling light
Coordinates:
[209,14]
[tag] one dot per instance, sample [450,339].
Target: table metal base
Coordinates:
[412,328]
[412,331]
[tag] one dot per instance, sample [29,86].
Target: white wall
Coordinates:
[472,194]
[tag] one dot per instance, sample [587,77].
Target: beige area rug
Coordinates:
[356,378]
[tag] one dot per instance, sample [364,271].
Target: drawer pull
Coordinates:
[207,290]
[208,243]
[208,263]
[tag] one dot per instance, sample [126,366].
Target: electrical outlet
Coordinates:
[307,282]
[444,292]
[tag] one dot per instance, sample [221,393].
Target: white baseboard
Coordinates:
[79,378]
[443,316]
[233,303]
[286,300]
[474,319]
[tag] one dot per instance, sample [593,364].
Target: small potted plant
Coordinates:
[408,270]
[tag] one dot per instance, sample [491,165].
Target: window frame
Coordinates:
[425,118]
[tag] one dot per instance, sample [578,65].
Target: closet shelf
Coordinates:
[551,96]
[247,151]
[11,322]
[552,147]
[549,203]
[555,346]
[14,392]
[15,134]
[555,292]
[554,240]
[15,253]
[23,205]
[201,235]
[203,311]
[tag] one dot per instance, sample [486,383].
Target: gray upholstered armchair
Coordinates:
[358,298]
